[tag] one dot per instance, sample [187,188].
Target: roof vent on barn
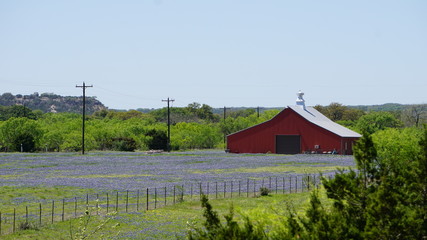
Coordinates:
[300,100]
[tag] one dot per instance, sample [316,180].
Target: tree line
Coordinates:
[195,126]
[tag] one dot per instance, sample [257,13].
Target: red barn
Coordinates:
[296,129]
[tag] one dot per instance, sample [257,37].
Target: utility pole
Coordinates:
[84,113]
[169,124]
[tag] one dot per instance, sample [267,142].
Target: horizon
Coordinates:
[245,107]
[221,53]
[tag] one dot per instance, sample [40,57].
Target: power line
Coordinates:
[84,111]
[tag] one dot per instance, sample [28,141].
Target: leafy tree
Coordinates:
[56,127]
[375,121]
[241,113]
[339,112]
[158,140]
[17,111]
[195,136]
[123,144]
[17,131]
[124,115]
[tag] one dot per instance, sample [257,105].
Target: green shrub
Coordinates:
[215,230]
[264,191]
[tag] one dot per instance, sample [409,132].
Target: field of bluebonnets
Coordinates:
[121,173]
[139,170]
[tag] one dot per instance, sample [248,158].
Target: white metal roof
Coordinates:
[314,116]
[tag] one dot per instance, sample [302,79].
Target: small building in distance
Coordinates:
[296,129]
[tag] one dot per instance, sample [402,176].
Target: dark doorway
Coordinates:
[288,144]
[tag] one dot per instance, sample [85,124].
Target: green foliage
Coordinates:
[204,112]
[17,111]
[214,229]
[384,199]
[17,131]
[264,191]
[194,136]
[85,230]
[375,121]
[27,226]
[339,112]
[123,144]
[158,140]
[394,146]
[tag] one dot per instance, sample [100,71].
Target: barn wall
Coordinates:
[261,138]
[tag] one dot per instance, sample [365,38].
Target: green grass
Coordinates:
[273,169]
[171,221]
[14,196]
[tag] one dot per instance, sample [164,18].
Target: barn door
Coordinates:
[288,144]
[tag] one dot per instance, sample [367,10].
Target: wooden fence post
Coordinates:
[75,206]
[108,203]
[117,201]
[165,195]
[40,216]
[147,200]
[63,209]
[137,200]
[26,214]
[127,200]
[174,189]
[14,220]
[53,209]
[97,204]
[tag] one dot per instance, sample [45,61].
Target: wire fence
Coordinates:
[101,204]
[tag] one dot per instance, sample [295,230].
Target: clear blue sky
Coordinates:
[222,53]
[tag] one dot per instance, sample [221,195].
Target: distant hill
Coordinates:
[49,102]
[387,107]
